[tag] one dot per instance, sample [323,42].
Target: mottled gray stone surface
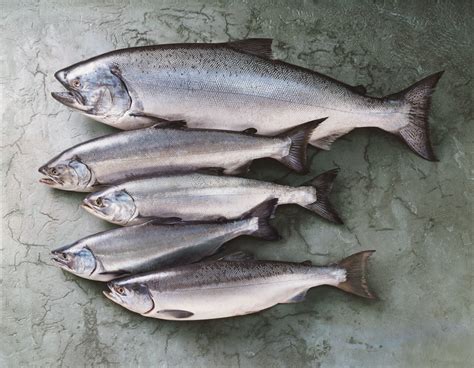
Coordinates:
[416,214]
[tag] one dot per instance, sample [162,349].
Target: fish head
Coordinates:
[67,174]
[131,295]
[111,204]
[94,88]
[76,258]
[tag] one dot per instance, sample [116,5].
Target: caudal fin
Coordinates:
[300,135]
[416,134]
[264,212]
[323,184]
[356,274]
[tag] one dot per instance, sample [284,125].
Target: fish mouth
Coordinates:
[112,294]
[59,260]
[108,295]
[72,99]
[88,206]
[48,180]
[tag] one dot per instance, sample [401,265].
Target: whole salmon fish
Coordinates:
[202,197]
[152,246]
[158,150]
[233,286]
[236,86]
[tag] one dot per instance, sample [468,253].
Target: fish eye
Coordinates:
[54,171]
[99,202]
[76,83]
[120,290]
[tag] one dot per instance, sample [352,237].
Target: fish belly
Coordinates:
[226,301]
[202,206]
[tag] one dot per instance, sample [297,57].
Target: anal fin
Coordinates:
[297,298]
[239,170]
[325,142]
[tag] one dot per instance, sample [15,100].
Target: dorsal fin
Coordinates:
[256,46]
[359,89]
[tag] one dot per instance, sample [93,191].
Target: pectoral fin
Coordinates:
[115,274]
[175,313]
[161,220]
[145,119]
[237,256]
[177,124]
[211,171]
[250,131]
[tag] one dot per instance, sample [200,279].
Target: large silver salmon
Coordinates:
[158,150]
[235,86]
[153,246]
[201,197]
[233,287]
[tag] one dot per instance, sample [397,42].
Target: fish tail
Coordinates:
[356,274]
[323,185]
[416,134]
[264,212]
[299,136]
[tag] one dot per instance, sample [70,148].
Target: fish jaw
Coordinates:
[70,98]
[48,179]
[73,100]
[89,207]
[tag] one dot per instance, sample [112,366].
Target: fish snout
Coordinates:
[43,170]
[59,259]
[48,180]
[60,75]
[89,205]
[110,293]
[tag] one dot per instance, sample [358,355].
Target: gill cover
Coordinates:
[76,259]
[113,205]
[135,297]
[67,174]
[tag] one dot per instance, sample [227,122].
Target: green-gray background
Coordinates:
[416,214]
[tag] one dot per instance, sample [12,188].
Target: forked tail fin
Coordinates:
[323,185]
[416,134]
[356,274]
[264,212]
[299,136]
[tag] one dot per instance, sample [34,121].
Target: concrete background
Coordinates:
[416,214]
